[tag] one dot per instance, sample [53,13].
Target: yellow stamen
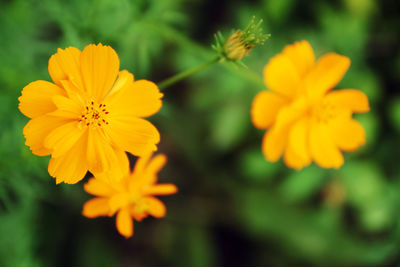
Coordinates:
[325,112]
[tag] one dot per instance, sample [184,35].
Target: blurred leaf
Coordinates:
[377,216]
[361,7]
[371,125]
[200,248]
[255,167]
[229,125]
[18,224]
[394,112]
[364,182]
[94,250]
[364,80]
[315,236]
[278,10]
[344,32]
[300,185]
[195,248]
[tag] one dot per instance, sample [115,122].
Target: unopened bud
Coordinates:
[240,43]
[235,48]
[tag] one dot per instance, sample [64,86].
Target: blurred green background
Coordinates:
[233,208]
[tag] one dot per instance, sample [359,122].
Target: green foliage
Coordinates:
[394,113]
[253,166]
[300,185]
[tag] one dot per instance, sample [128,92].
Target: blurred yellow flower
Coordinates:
[90,115]
[305,120]
[132,197]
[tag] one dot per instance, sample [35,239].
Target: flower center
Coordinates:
[140,209]
[325,112]
[94,115]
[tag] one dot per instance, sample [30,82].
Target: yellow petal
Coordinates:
[351,99]
[119,201]
[141,175]
[140,99]
[36,98]
[297,153]
[161,189]
[138,213]
[100,155]
[141,163]
[290,114]
[281,76]
[124,79]
[118,169]
[122,169]
[327,73]
[96,207]
[302,56]
[322,147]
[348,134]
[75,93]
[273,145]
[156,207]
[137,136]
[265,108]
[65,65]
[98,188]
[146,170]
[63,138]
[70,109]
[38,129]
[292,160]
[99,67]
[156,164]
[71,167]
[275,140]
[124,223]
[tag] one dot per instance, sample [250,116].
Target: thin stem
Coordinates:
[202,52]
[180,76]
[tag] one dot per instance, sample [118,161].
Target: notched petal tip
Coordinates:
[65,65]
[35,99]
[99,66]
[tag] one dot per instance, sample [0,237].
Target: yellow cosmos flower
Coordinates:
[132,197]
[90,115]
[306,121]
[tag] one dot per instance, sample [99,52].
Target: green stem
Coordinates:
[180,76]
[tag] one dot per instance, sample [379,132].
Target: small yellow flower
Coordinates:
[306,121]
[132,197]
[90,115]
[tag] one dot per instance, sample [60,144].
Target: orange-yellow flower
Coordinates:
[132,197]
[90,115]
[306,121]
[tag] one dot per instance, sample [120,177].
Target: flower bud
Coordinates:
[235,48]
[239,44]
